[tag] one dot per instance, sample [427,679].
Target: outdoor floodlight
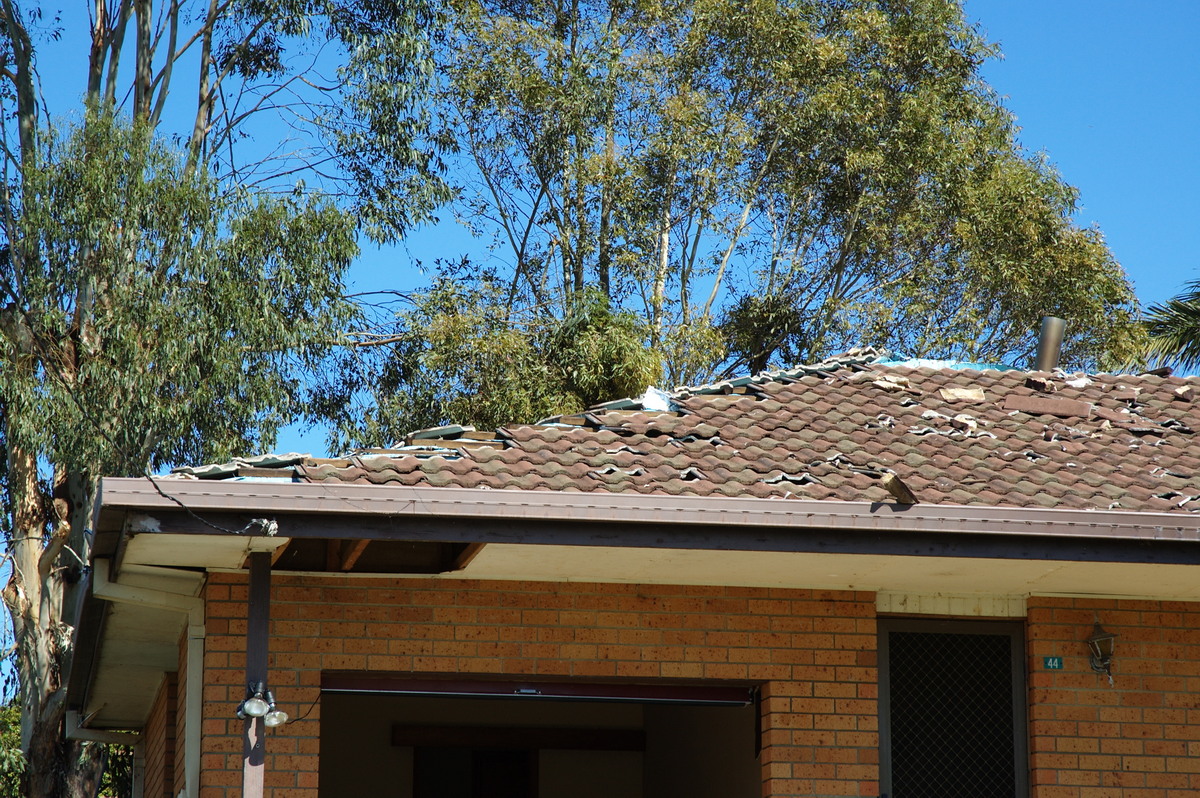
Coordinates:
[260,703]
[274,717]
[255,705]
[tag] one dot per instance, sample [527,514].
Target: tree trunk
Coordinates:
[659,290]
[42,596]
[59,767]
[22,55]
[45,765]
[83,780]
[25,596]
[47,549]
[144,51]
[204,101]
[97,52]
[604,262]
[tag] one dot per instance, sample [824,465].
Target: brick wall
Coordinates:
[814,652]
[1139,738]
[159,775]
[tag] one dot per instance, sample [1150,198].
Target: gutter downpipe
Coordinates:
[193,606]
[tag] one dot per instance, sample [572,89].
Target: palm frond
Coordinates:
[1174,328]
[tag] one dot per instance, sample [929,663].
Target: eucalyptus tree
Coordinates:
[765,181]
[158,306]
[287,95]
[459,354]
[150,318]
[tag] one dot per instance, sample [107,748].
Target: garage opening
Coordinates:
[507,740]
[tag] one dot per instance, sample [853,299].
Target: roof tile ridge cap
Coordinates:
[866,355]
[381,460]
[309,468]
[436,432]
[224,469]
[507,434]
[475,453]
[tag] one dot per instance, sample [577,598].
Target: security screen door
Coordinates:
[952,709]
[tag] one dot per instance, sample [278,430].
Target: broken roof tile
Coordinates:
[830,432]
[1045,406]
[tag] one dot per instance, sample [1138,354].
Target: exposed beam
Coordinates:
[275,555]
[466,555]
[351,551]
[517,738]
[341,555]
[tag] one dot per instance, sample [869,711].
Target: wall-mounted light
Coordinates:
[1100,650]
[274,717]
[260,703]
[255,704]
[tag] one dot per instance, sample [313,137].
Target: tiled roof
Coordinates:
[851,428]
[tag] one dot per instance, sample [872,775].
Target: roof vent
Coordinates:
[1050,343]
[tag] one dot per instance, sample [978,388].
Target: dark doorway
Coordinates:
[473,773]
[952,703]
[529,746]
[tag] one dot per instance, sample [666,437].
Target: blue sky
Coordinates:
[1109,89]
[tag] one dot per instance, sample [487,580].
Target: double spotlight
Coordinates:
[260,703]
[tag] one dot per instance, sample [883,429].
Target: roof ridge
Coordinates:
[858,356]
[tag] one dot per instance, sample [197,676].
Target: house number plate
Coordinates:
[1052,663]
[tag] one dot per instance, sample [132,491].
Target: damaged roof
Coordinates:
[851,428]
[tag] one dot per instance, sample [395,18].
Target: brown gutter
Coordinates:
[118,496]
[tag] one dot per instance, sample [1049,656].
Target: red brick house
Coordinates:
[850,578]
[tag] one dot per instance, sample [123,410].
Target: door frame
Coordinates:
[1014,630]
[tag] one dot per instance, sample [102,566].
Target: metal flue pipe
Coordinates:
[1050,343]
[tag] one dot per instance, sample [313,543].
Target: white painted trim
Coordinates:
[193,606]
[75,730]
[950,604]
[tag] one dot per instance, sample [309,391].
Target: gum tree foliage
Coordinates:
[149,318]
[344,81]
[458,354]
[767,181]
[155,306]
[116,781]
[12,762]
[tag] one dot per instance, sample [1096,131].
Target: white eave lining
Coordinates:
[138,494]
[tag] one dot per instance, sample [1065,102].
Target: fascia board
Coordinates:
[124,495]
